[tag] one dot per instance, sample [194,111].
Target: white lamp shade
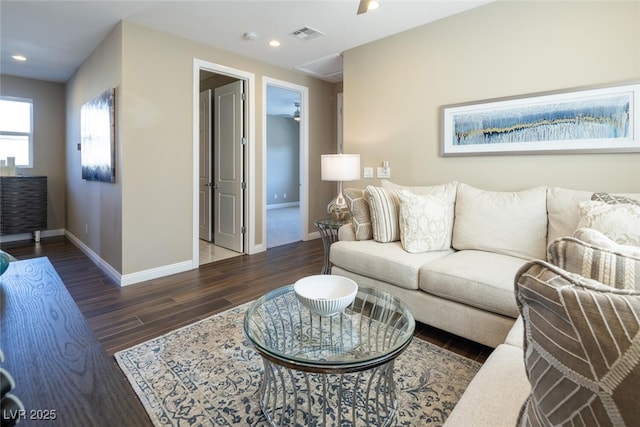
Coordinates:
[340,167]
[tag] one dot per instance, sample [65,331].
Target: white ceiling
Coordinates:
[57,36]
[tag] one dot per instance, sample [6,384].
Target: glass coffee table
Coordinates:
[329,370]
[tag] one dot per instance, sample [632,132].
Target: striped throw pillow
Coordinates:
[385,210]
[606,265]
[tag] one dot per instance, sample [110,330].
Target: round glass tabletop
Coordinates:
[374,329]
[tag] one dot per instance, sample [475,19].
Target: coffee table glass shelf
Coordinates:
[329,370]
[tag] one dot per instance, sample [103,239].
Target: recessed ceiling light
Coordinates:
[274,43]
[373,4]
[20,58]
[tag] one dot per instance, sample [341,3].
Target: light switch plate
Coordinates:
[368,172]
[384,172]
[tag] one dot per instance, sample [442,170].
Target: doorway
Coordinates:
[286,162]
[221,156]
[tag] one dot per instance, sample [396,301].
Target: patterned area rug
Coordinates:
[208,374]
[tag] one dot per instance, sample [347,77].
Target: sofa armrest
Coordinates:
[346,232]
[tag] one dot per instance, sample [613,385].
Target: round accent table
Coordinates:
[329,370]
[328,228]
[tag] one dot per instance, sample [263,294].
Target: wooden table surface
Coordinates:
[63,376]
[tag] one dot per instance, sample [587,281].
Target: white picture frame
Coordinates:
[596,120]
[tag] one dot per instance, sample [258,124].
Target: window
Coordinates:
[16,126]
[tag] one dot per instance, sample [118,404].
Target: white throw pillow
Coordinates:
[425,222]
[508,223]
[619,222]
[385,209]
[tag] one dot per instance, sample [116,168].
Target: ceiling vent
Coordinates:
[306,33]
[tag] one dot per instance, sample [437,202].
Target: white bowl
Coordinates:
[325,294]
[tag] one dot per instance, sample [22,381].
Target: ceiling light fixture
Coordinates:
[366,5]
[20,58]
[274,43]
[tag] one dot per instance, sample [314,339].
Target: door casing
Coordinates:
[304,153]
[249,163]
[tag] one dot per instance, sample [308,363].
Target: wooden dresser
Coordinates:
[23,204]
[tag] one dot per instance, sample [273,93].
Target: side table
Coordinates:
[328,228]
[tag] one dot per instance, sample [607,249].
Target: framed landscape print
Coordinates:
[97,133]
[599,120]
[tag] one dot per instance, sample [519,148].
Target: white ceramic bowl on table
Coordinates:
[325,294]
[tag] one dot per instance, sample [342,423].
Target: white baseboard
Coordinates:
[131,278]
[283,205]
[29,236]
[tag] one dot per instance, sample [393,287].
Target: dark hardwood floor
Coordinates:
[123,317]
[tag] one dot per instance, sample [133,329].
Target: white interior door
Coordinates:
[228,166]
[205,166]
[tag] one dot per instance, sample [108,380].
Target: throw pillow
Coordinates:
[425,222]
[360,213]
[620,222]
[581,347]
[596,238]
[613,199]
[603,264]
[384,206]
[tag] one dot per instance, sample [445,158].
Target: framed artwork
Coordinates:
[599,120]
[97,133]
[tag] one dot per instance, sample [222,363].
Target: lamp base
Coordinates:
[338,209]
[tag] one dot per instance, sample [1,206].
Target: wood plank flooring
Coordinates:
[123,317]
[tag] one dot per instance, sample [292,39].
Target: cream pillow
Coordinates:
[619,222]
[384,206]
[508,223]
[425,222]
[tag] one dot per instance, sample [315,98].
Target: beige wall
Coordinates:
[149,208]
[394,89]
[92,205]
[48,138]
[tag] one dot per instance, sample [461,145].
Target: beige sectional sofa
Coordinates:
[464,284]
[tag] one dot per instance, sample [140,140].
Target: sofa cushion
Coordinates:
[495,395]
[426,222]
[387,262]
[582,342]
[385,211]
[563,211]
[609,263]
[358,202]
[509,223]
[620,222]
[476,278]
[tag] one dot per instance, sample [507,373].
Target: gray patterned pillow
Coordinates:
[581,348]
[612,199]
[385,209]
[357,200]
[608,264]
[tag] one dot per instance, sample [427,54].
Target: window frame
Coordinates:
[27,134]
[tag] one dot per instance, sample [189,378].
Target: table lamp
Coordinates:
[340,167]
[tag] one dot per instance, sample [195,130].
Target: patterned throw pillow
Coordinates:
[607,264]
[620,222]
[612,199]
[581,348]
[360,214]
[385,207]
[426,222]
